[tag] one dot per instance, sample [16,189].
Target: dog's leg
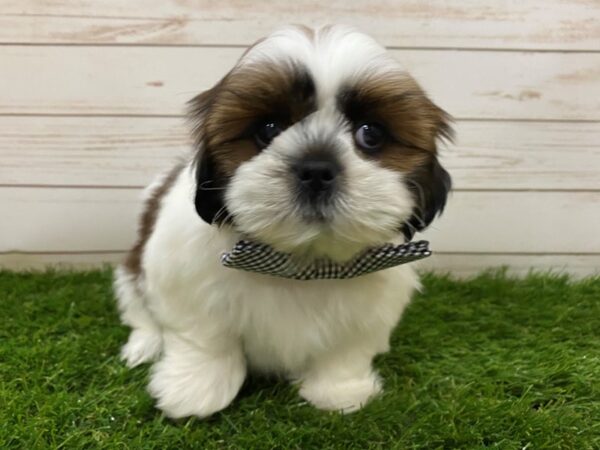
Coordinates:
[343,379]
[197,376]
[145,341]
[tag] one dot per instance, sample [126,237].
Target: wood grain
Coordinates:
[68,261]
[83,220]
[525,155]
[532,24]
[518,222]
[468,265]
[158,81]
[64,219]
[129,151]
[89,151]
[91,114]
[460,265]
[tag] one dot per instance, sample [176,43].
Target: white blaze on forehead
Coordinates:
[333,55]
[322,127]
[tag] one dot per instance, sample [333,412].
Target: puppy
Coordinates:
[317,143]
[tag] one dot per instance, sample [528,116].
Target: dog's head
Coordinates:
[318,141]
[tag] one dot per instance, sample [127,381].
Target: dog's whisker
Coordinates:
[219,213]
[204,186]
[211,188]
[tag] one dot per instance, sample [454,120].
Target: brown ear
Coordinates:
[210,184]
[198,108]
[429,183]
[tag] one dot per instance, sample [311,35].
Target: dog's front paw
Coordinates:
[194,385]
[142,346]
[345,395]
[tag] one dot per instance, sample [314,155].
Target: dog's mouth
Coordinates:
[320,230]
[320,239]
[318,211]
[328,245]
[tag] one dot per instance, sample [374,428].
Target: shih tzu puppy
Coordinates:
[318,146]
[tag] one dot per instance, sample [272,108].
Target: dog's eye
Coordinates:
[370,136]
[266,132]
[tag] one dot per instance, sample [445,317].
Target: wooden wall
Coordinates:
[92,96]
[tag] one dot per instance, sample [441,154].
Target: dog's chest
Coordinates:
[282,325]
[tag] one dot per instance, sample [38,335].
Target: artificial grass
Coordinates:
[492,362]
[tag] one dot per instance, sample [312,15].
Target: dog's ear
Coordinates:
[210,184]
[430,186]
[429,183]
[210,190]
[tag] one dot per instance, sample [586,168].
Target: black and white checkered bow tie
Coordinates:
[261,258]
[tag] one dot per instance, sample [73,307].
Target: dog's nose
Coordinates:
[317,175]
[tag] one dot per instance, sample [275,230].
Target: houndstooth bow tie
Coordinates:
[261,258]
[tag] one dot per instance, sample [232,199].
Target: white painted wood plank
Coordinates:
[63,219]
[518,222]
[524,155]
[461,265]
[535,24]
[89,151]
[129,151]
[67,261]
[145,80]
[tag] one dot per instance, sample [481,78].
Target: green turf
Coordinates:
[489,363]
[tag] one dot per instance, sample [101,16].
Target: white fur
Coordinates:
[216,320]
[373,203]
[336,55]
[207,323]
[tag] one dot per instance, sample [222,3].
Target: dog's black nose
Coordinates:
[317,176]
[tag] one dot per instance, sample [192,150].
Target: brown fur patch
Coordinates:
[308,31]
[133,260]
[228,114]
[413,122]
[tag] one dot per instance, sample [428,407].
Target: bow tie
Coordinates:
[261,258]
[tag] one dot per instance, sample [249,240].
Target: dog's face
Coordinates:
[319,142]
